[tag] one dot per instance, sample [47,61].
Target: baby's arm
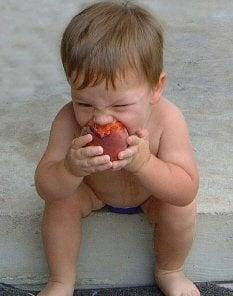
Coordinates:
[172,176]
[52,179]
[67,159]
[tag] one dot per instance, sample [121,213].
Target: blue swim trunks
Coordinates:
[129,211]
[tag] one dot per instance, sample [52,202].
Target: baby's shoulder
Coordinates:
[66,114]
[169,113]
[65,119]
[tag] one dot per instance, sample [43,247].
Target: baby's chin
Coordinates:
[112,137]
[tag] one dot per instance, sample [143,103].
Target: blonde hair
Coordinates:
[109,38]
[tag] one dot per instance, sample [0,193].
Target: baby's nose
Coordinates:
[102,117]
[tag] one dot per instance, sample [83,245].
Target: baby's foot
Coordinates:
[174,283]
[56,289]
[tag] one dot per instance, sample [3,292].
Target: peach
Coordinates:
[112,137]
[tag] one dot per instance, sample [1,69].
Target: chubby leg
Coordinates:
[174,235]
[62,233]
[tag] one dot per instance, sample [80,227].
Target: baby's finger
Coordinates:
[142,133]
[95,161]
[81,141]
[103,167]
[129,152]
[89,151]
[119,164]
[133,140]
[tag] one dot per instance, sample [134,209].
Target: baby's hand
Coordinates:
[82,161]
[136,155]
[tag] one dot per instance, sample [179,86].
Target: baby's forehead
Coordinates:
[122,82]
[129,79]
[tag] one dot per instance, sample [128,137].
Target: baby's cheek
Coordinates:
[131,122]
[82,118]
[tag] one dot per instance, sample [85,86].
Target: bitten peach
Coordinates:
[112,137]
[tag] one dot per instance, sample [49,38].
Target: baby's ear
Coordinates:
[159,88]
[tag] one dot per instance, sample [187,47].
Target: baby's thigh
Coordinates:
[82,202]
[151,209]
[87,199]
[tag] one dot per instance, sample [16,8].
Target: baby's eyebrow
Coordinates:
[126,100]
[81,98]
[121,98]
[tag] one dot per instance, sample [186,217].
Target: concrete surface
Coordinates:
[199,62]
[206,289]
[116,251]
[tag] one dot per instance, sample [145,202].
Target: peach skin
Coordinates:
[112,137]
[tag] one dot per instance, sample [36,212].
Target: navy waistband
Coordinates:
[129,211]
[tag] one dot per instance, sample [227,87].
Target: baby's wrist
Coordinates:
[68,170]
[140,167]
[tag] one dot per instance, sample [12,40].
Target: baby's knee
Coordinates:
[151,209]
[88,201]
[85,200]
[178,218]
[81,202]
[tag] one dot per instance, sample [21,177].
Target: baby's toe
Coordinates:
[195,292]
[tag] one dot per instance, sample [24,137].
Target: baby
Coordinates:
[112,55]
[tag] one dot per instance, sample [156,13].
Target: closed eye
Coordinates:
[121,105]
[83,105]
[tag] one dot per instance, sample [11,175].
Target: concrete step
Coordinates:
[117,250]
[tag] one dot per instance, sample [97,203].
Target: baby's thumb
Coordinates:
[142,133]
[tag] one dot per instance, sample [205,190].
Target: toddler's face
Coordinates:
[130,103]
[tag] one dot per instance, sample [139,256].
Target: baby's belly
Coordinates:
[118,189]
